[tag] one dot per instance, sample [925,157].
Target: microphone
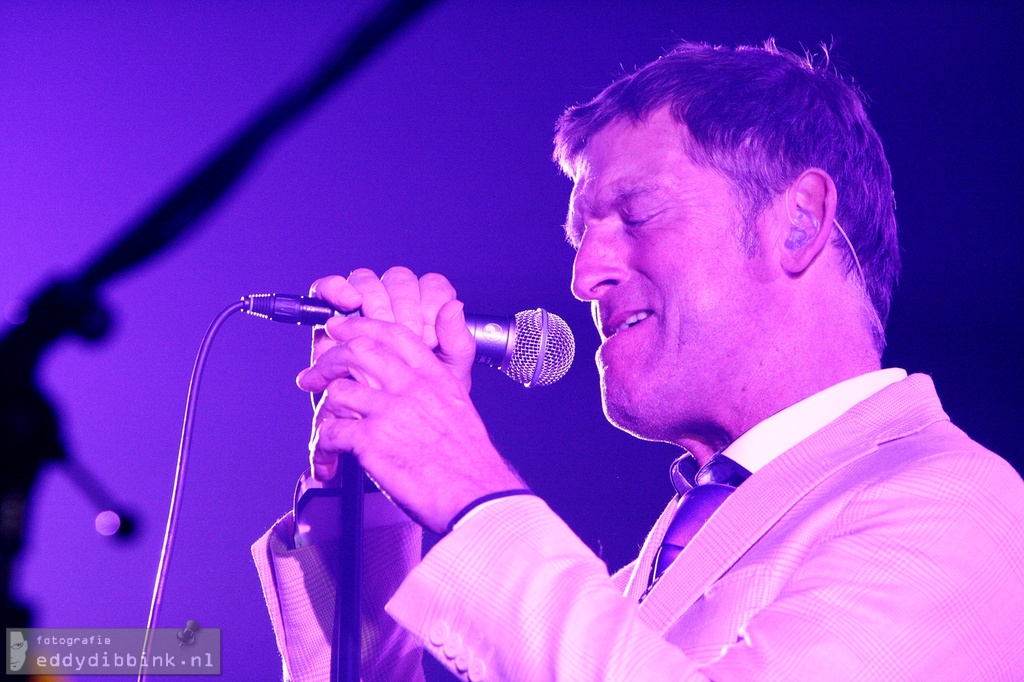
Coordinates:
[533,348]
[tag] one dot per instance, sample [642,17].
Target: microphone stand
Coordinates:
[346,637]
[29,428]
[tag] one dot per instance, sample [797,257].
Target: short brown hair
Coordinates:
[760,116]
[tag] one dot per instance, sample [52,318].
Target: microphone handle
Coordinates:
[495,335]
[495,338]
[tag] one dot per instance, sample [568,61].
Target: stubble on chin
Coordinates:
[629,412]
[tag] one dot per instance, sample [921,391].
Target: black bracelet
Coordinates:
[485,498]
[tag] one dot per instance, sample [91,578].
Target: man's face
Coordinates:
[682,309]
[19,648]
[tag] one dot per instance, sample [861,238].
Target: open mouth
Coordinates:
[631,321]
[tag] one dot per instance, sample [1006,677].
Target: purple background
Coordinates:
[435,156]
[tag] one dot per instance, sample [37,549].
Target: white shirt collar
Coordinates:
[780,432]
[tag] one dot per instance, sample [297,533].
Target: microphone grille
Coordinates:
[544,348]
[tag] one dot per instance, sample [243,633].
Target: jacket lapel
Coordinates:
[642,567]
[900,409]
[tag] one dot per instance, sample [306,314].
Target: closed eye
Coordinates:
[635,219]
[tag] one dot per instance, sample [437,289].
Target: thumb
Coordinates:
[455,345]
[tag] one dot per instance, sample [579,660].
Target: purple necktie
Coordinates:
[702,490]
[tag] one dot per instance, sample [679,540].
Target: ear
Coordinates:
[810,206]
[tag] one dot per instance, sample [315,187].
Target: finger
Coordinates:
[329,366]
[337,291]
[376,302]
[321,344]
[331,438]
[375,361]
[456,347]
[346,399]
[393,342]
[379,363]
[403,288]
[435,291]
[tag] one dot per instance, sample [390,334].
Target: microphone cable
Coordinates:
[184,447]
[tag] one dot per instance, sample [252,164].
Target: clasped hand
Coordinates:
[395,393]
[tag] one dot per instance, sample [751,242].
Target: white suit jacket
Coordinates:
[887,546]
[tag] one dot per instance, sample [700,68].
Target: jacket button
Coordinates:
[477,671]
[462,660]
[439,633]
[453,647]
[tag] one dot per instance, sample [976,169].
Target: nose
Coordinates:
[601,262]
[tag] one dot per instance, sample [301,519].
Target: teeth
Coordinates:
[631,320]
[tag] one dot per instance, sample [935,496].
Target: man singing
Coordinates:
[732,215]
